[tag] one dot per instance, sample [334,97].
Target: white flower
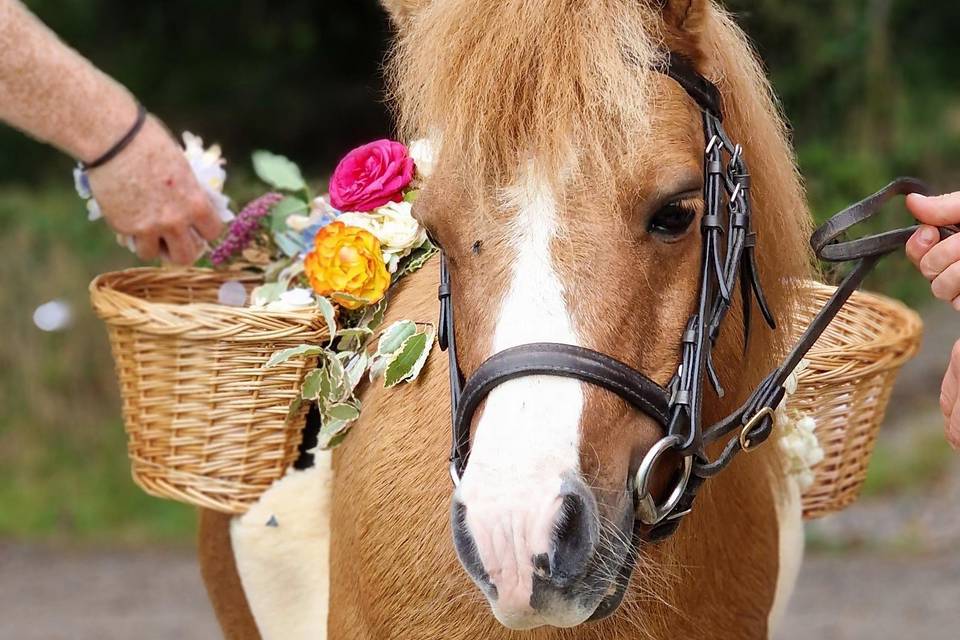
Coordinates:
[394,226]
[801,447]
[297,222]
[423,157]
[293,300]
[207,166]
[93,210]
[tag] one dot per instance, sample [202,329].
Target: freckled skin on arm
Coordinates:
[52,93]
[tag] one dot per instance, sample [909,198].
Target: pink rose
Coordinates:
[371,176]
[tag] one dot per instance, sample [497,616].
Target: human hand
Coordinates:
[938,261]
[950,398]
[149,193]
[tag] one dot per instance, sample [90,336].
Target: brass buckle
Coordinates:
[745,444]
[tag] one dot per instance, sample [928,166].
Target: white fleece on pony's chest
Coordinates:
[282,550]
[790,525]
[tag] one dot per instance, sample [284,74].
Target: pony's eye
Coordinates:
[672,220]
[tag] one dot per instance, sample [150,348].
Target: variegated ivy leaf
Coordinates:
[331,433]
[293,412]
[416,260]
[378,364]
[353,339]
[343,411]
[339,386]
[329,315]
[311,385]
[355,369]
[346,297]
[301,351]
[372,315]
[408,361]
[393,337]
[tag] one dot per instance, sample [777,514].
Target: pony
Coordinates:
[566,195]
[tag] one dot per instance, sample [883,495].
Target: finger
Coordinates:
[920,243]
[205,220]
[948,390]
[946,286]
[953,427]
[181,246]
[148,246]
[940,256]
[938,210]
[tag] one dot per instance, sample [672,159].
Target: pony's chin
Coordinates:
[612,601]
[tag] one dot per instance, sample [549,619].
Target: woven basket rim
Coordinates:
[903,322]
[197,320]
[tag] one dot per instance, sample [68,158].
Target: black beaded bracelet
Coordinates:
[121,144]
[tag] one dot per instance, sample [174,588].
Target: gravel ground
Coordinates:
[50,594]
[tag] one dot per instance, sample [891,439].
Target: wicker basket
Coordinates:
[847,386]
[207,425]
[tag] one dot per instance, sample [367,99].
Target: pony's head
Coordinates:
[567,197]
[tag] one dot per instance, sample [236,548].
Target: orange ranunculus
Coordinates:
[347,260]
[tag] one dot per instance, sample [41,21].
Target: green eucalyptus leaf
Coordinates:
[412,195]
[395,334]
[329,315]
[301,351]
[407,362]
[283,210]
[278,171]
[291,244]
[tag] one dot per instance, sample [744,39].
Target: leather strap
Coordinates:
[549,359]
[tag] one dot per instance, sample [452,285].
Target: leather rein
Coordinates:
[728,245]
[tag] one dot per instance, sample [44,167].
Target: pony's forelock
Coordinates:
[502,81]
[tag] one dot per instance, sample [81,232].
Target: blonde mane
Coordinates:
[500,80]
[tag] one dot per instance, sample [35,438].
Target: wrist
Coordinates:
[100,132]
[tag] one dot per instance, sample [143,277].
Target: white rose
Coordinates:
[423,157]
[394,226]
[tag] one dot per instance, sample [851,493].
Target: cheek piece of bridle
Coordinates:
[728,245]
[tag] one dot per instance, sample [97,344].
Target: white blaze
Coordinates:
[528,434]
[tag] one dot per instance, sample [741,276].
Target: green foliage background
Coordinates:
[869,86]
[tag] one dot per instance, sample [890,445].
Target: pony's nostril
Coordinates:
[575,534]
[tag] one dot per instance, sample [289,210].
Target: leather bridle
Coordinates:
[728,245]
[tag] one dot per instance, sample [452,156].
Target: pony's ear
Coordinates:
[684,21]
[684,15]
[402,10]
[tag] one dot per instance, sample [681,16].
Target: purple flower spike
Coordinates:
[244,227]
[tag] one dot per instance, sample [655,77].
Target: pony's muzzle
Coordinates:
[530,559]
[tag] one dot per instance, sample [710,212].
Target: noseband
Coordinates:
[728,244]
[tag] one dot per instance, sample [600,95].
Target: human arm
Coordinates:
[54,94]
